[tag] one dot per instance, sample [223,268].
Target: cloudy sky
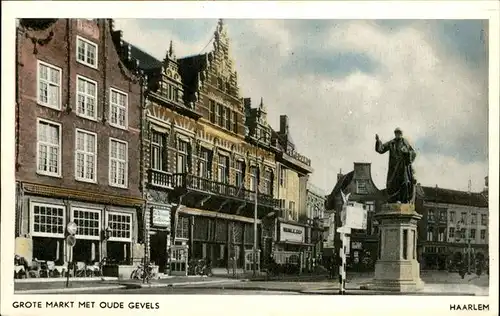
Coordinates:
[343,81]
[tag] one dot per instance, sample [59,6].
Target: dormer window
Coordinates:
[361,187]
[169,91]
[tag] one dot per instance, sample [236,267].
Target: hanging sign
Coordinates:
[161,217]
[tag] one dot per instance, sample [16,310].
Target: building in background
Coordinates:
[316,199]
[454,225]
[78,111]
[363,243]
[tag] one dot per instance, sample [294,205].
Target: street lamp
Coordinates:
[256,207]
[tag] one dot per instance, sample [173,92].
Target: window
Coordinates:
[430,234]
[268,182]
[451,232]
[484,220]
[240,173]
[361,187]
[441,234]
[88,223]
[86,52]
[291,207]
[452,216]
[462,218]
[483,234]
[463,232]
[49,85]
[47,220]
[158,151]
[118,165]
[283,177]
[370,206]
[49,148]
[220,83]
[182,156]
[204,163]
[253,178]
[85,156]
[220,115]
[182,229]
[168,91]
[120,225]
[118,108]
[223,169]
[473,218]
[235,122]
[442,216]
[228,87]
[212,110]
[430,216]
[472,234]
[86,97]
[227,114]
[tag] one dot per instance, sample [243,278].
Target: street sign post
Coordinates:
[71,228]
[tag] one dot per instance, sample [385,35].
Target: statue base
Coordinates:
[397,268]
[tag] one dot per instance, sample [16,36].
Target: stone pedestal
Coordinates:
[397,268]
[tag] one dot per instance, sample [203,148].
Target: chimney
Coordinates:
[283,124]
[362,170]
[247,102]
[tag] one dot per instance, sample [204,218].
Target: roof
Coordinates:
[146,61]
[440,195]
[341,185]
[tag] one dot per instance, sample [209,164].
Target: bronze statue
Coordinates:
[400,176]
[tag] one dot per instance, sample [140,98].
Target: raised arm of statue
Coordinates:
[380,147]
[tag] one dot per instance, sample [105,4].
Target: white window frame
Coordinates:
[87,42]
[78,178]
[38,79]
[32,220]
[111,140]
[240,173]
[223,169]
[86,95]
[90,210]
[120,239]
[161,147]
[59,164]
[125,126]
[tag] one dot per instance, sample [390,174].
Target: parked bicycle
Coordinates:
[200,267]
[143,272]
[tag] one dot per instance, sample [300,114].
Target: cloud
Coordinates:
[341,82]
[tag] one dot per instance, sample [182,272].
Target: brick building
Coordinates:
[363,243]
[77,133]
[454,225]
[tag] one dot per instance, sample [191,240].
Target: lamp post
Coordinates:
[256,207]
[464,222]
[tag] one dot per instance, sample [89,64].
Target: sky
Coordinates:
[342,81]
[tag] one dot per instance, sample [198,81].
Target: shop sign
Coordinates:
[292,233]
[354,216]
[161,217]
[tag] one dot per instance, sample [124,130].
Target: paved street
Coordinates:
[189,291]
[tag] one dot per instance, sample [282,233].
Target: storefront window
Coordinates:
[182,230]
[47,229]
[88,234]
[119,243]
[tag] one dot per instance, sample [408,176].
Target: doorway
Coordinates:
[158,250]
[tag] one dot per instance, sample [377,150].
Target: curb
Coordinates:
[372,292]
[57,280]
[160,285]
[73,289]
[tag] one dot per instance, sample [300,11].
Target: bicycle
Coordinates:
[141,272]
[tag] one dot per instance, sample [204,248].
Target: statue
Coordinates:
[400,176]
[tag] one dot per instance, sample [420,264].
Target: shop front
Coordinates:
[291,247]
[159,236]
[221,239]
[105,235]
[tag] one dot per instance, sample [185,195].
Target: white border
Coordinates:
[40,62]
[59,158]
[273,305]
[77,178]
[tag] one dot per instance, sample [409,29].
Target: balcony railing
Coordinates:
[161,179]
[191,182]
